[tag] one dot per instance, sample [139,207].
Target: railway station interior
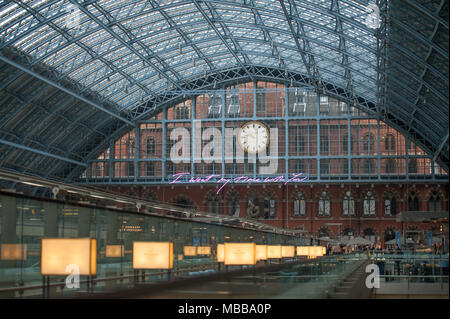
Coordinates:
[224,149]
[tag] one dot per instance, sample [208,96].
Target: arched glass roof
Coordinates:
[93,67]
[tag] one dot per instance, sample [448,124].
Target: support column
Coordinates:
[84,222]
[50,219]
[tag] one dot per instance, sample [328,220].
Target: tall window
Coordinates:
[324,107]
[369,166]
[369,143]
[261,103]
[324,141]
[233,205]
[412,166]
[130,147]
[170,168]
[348,205]
[150,146]
[390,205]
[389,143]
[324,205]
[434,202]
[269,207]
[324,166]
[413,202]
[181,112]
[369,204]
[150,169]
[299,205]
[212,204]
[130,169]
[345,144]
[299,145]
[214,106]
[390,166]
[299,166]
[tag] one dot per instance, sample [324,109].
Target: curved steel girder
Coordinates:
[420,61]
[198,42]
[220,53]
[266,10]
[262,27]
[366,106]
[62,88]
[67,36]
[324,71]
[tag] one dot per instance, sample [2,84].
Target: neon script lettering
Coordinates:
[214,178]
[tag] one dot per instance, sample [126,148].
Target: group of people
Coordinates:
[342,249]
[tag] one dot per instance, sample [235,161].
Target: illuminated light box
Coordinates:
[58,253]
[324,251]
[203,250]
[312,251]
[303,251]
[152,255]
[220,253]
[190,251]
[13,252]
[274,251]
[114,251]
[316,251]
[261,252]
[288,251]
[180,256]
[240,254]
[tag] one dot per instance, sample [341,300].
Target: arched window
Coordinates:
[412,166]
[269,206]
[389,234]
[348,232]
[345,144]
[323,232]
[299,205]
[212,203]
[413,202]
[369,166]
[369,204]
[369,232]
[233,204]
[324,205]
[348,205]
[390,205]
[369,143]
[390,166]
[389,143]
[434,202]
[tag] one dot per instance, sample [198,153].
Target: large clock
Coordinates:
[253,137]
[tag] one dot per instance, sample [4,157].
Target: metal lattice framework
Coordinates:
[75,75]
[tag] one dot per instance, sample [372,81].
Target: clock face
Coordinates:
[253,137]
